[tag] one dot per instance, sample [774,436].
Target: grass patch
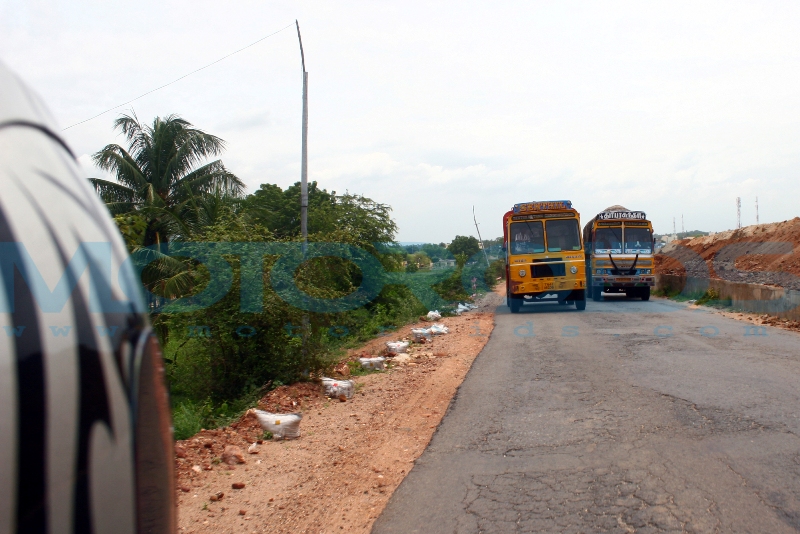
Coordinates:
[190,416]
[710,297]
[357,370]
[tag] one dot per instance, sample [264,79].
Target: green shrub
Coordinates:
[189,417]
[710,295]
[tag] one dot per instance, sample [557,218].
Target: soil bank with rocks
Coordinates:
[765,254]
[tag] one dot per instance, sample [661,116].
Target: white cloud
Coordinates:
[671,108]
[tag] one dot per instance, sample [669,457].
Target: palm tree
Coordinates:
[158,176]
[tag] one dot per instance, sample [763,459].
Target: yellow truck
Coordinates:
[619,253]
[544,254]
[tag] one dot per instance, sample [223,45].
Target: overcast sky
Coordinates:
[669,108]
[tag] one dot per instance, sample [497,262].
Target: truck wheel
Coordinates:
[646,293]
[580,302]
[516,304]
[597,294]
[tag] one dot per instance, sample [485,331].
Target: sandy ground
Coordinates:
[762,320]
[338,476]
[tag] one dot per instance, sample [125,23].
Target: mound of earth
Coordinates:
[760,254]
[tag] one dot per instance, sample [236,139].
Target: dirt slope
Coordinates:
[339,474]
[763,254]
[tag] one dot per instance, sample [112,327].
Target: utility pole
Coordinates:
[304,183]
[674,230]
[683,229]
[483,247]
[304,164]
[756,210]
[738,212]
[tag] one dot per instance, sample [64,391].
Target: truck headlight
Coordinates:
[573,269]
[522,273]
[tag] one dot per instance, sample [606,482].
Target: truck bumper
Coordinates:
[623,281]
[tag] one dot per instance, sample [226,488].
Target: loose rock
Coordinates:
[233,455]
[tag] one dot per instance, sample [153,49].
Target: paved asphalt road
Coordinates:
[630,416]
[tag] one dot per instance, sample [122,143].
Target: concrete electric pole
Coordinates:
[483,247]
[304,162]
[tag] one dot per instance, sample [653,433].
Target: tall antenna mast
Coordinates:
[738,212]
[483,247]
[674,231]
[756,210]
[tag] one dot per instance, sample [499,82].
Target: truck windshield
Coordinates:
[608,240]
[527,237]
[563,235]
[638,241]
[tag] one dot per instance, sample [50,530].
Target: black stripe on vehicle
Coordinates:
[31,495]
[93,403]
[40,128]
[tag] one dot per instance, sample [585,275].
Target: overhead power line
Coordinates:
[179,79]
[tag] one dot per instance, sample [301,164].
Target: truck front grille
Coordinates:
[548,271]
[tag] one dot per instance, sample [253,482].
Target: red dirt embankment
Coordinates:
[764,254]
[338,476]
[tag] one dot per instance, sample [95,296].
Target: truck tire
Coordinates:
[515,303]
[580,301]
[597,294]
[646,293]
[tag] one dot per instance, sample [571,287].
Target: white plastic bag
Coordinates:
[421,335]
[439,329]
[373,363]
[396,347]
[335,388]
[433,315]
[282,425]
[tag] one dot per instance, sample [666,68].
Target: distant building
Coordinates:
[669,238]
[443,264]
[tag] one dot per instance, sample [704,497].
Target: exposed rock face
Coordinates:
[766,254]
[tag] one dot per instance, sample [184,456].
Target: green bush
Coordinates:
[189,417]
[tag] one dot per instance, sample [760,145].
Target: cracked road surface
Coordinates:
[628,417]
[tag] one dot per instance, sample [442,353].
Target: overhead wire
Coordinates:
[178,79]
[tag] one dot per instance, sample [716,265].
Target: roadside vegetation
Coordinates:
[710,297]
[220,359]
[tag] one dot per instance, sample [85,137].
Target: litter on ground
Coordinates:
[373,363]
[421,335]
[396,347]
[439,329]
[282,425]
[335,388]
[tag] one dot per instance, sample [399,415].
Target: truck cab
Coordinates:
[619,253]
[544,254]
